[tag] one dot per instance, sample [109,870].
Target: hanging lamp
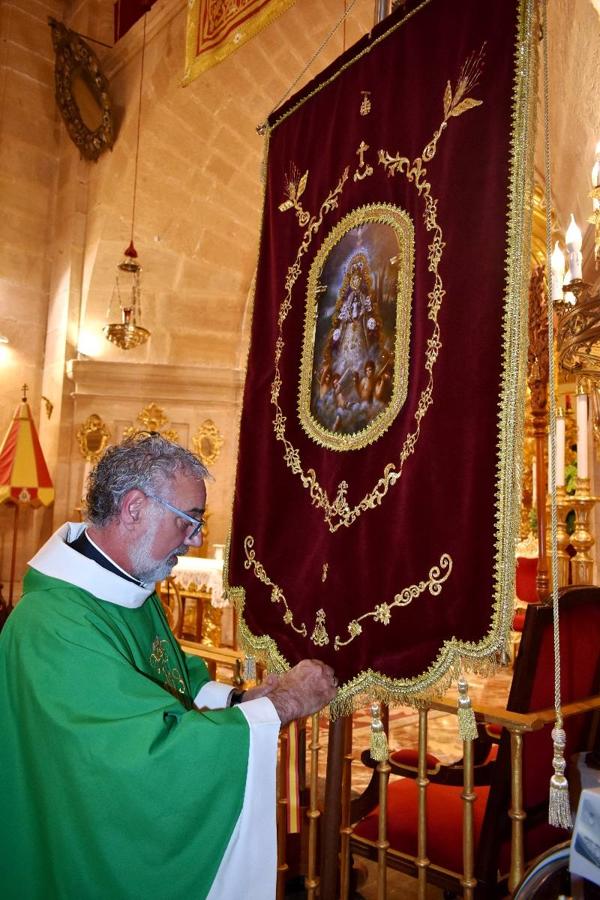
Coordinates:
[127,292]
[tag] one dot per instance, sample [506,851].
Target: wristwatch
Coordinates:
[236,697]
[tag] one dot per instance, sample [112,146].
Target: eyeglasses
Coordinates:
[188,520]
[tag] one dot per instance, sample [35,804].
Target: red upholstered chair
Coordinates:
[525,586]
[532,690]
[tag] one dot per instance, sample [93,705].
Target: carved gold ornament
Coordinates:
[152,418]
[92,437]
[207,442]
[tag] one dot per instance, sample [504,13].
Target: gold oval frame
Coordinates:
[73,57]
[401,224]
[97,430]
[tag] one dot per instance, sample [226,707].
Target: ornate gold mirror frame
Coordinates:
[81,92]
[207,442]
[93,437]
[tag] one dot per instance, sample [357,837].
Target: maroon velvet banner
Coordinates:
[374,513]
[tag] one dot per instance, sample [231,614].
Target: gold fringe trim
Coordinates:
[559,806]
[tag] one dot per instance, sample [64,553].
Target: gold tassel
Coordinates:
[467,726]
[559,807]
[250,669]
[379,744]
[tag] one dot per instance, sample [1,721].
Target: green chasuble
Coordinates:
[112,784]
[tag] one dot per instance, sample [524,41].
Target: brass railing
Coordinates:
[517,724]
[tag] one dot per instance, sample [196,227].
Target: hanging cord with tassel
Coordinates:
[379,745]
[250,669]
[559,809]
[467,726]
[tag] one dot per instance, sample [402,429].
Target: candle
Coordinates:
[559,431]
[573,240]
[560,451]
[558,272]
[582,436]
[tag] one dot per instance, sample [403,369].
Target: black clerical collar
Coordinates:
[84,545]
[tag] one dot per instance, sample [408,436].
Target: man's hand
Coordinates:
[263,689]
[302,691]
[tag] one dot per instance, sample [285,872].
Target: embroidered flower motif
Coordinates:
[382,614]
[354,628]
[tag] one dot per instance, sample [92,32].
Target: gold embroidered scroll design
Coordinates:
[277,595]
[159,660]
[294,188]
[337,511]
[383,611]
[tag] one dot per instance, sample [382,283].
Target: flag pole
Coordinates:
[14,555]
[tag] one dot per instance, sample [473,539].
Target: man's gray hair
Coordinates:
[143,461]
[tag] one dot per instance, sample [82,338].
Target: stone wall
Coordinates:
[196,230]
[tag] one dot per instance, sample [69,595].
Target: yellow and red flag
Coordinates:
[24,475]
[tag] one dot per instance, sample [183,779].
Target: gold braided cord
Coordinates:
[559,807]
[551,377]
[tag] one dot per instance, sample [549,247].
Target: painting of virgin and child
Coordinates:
[354,362]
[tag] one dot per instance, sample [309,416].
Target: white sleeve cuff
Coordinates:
[213,695]
[260,712]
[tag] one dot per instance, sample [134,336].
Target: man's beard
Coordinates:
[147,569]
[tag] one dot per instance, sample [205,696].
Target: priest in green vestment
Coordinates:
[124,771]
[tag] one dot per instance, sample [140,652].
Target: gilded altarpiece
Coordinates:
[376,506]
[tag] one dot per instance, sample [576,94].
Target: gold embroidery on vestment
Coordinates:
[159,660]
[365,106]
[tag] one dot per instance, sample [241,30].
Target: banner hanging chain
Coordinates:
[559,808]
[341,21]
